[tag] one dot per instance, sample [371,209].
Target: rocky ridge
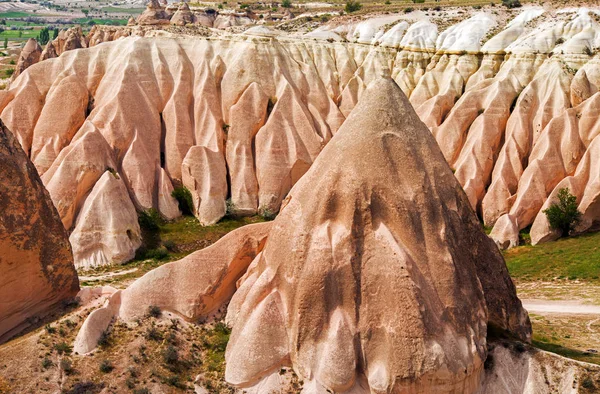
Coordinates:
[513,112]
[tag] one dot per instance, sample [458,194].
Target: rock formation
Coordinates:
[368,278]
[29,55]
[504,123]
[36,265]
[154,14]
[383,281]
[192,287]
[183,15]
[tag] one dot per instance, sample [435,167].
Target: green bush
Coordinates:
[511,3]
[154,311]
[67,366]
[184,198]
[564,215]
[408,10]
[352,6]
[149,220]
[62,347]
[170,355]
[286,3]
[104,340]
[106,366]
[47,363]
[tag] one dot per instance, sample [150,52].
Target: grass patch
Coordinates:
[98,21]
[546,344]
[15,14]
[568,258]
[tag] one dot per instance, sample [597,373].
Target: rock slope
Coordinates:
[36,265]
[368,279]
[511,104]
[368,286]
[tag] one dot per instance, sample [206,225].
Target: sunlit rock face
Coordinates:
[511,104]
[36,264]
[363,286]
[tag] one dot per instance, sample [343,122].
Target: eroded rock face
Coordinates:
[192,287]
[383,280]
[509,136]
[154,14]
[36,264]
[29,55]
[183,15]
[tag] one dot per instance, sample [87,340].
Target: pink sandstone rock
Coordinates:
[366,256]
[36,264]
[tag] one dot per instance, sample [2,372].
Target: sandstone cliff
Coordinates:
[36,264]
[499,105]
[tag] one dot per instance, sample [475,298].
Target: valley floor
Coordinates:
[559,285]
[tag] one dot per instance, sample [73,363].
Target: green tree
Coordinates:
[286,3]
[5,42]
[563,216]
[352,6]
[55,34]
[44,36]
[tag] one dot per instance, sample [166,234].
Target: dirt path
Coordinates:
[93,278]
[562,307]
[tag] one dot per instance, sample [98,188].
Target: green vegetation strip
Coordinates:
[15,14]
[568,258]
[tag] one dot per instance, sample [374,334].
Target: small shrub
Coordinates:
[230,207]
[560,40]
[511,3]
[418,1]
[106,366]
[437,8]
[156,254]
[408,10]
[388,2]
[62,347]
[70,323]
[154,334]
[286,4]
[352,6]
[588,383]
[67,366]
[184,198]
[563,216]
[477,7]
[85,388]
[170,355]
[244,6]
[47,363]
[174,381]
[130,383]
[267,214]
[169,245]
[133,372]
[588,51]
[154,311]
[104,340]
[149,220]
[49,329]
